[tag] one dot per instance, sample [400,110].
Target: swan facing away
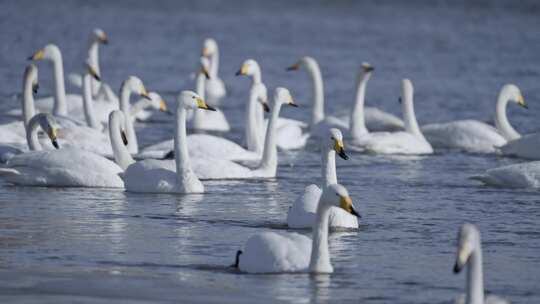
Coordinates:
[476,136]
[469,254]
[302,213]
[215,88]
[69,167]
[408,142]
[271,252]
[523,175]
[155,176]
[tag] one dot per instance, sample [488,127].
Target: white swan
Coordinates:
[271,252]
[119,141]
[476,136]
[207,120]
[59,168]
[411,141]
[267,168]
[469,254]
[375,119]
[523,175]
[527,147]
[215,88]
[165,176]
[302,213]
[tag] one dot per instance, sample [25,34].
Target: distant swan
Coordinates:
[59,168]
[523,175]
[271,252]
[469,254]
[158,176]
[215,88]
[302,213]
[476,136]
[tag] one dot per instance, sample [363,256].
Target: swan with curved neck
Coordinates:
[88,77]
[215,88]
[158,176]
[97,37]
[476,136]
[469,254]
[119,140]
[271,252]
[47,124]
[311,65]
[133,85]
[358,124]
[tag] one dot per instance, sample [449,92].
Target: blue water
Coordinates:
[106,246]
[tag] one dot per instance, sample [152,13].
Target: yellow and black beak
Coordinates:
[294,67]
[346,204]
[103,39]
[461,260]
[367,68]
[124,137]
[242,71]
[163,107]
[204,71]
[53,136]
[521,102]
[265,106]
[202,105]
[291,102]
[205,52]
[35,87]
[144,94]
[340,149]
[37,55]
[93,72]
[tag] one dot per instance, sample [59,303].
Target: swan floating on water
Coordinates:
[70,167]
[408,142]
[271,252]
[469,254]
[523,175]
[215,88]
[302,213]
[165,176]
[476,136]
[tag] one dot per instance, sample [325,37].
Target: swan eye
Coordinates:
[337,195]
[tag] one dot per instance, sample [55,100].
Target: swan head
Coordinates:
[99,36]
[31,77]
[248,68]
[210,47]
[118,120]
[135,85]
[191,100]
[468,240]
[513,94]
[366,70]
[309,62]
[158,103]
[49,52]
[336,195]
[49,126]
[336,143]
[283,96]
[204,65]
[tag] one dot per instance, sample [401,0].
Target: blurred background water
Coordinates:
[105,246]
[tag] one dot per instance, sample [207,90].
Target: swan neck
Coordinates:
[411,124]
[358,124]
[32,134]
[120,151]
[320,254]
[125,94]
[93,58]
[328,167]
[254,121]
[475,280]
[28,102]
[214,64]
[180,142]
[60,105]
[317,114]
[501,120]
[257,77]
[88,103]
[269,159]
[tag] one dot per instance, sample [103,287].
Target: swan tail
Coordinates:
[237,259]
[75,79]
[9,172]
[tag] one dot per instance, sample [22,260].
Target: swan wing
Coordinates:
[211,121]
[208,168]
[524,175]
[397,143]
[302,212]
[527,147]
[151,176]
[377,120]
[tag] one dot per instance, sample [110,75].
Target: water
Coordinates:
[106,246]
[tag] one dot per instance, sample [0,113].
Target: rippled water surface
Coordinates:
[106,246]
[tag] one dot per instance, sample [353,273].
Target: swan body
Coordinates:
[156,176]
[527,147]
[408,142]
[59,168]
[475,136]
[215,88]
[523,175]
[469,254]
[224,169]
[271,252]
[302,213]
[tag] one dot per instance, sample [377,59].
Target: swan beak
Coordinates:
[55,143]
[202,105]
[399,100]
[291,102]
[124,137]
[103,39]
[339,148]
[294,67]
[37,55]
[163,107]
[144,94]
[242,71]
[345,203]
[366,67]
[35,88]
[521,102]
[265,107]
[462,257]
[52,136]
[205,72]
[205,52]
[93,73]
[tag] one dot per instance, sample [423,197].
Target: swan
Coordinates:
[68,167]
[527,147]
[469,254]
[215,88]
[523,175]
[476,136]
[167,176]
[375,119]
[207,120]
[226,169]
[410,142]
[302,213]
[271,252]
